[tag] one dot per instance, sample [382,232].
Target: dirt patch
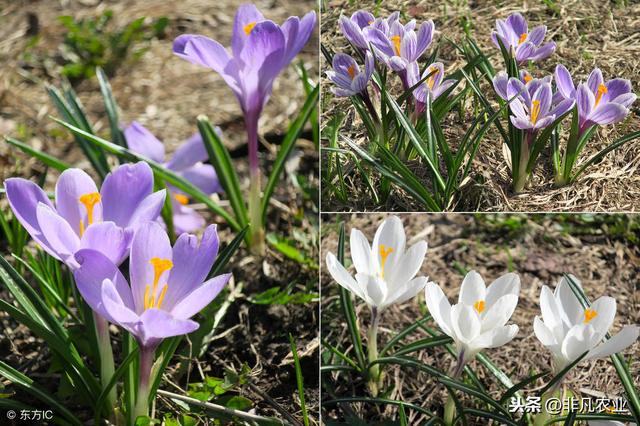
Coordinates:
[587,35]
[540,248]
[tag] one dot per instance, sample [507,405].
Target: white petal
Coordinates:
[391,235]
[407,291]
[549,308]
[472,289]
[542,332]
[627,337]
[495,337]
[439,307]
[506,284]
[498,314]
[408,265]
[375,291]
[465,322]
[571,308]
[342,276]
[577,341]
[605,308]
[361,253]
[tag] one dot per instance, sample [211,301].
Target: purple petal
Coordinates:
[595,79]
[191,152]
[186,219]
[123,190]
[24,197]
[200,297]
[363,18]
[398,64]
[352,32]
[158,324]
[615,88]
[379,41]
[562,107]
[543,95]
[192,263]
[425,36]
[521,123]
[564,82]
[297,33]
[438,67]
[536,36]
[61,238]
[72,184]
[359,83]
[109,239]
[246,18]
[116,308]
[544,52]
[443,88]
[94,268]
[149,241]
[608,113]
[515,87]
[518,109]
[584,100]
[204,177]
[345,65]
[625,100]
[141,141]
[148,210]
[408,47]
[369,65]
[340,92]
[500,81]
[517,24]
[525,51]
[544,122]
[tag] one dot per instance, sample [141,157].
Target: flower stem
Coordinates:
[522,176]
[450,406]
[367,102]
[375,377]
[255,197]
[142,397]
[107,367]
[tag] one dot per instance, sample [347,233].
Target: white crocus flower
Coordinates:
[385,271]
[479,319]
[385,274]
[569,330]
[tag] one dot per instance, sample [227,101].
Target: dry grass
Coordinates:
[588,34]
[539,247]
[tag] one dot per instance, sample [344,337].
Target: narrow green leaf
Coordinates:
[299,382]
[46,159]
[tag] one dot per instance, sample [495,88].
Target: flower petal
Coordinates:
[439,308]
[584,100]
[495,337]
[199,297]
[360,252]
[58,233]
[204,177]
[389,236]
[148,210]
[159,324]
[124,190]
[465,322]
[71,185]
[190,153]
[608,113]
[247,16]
[342,276]
[500,312]
[506,284]
[141,141]
[186,219]
[472,289]
[564,82]
[109,239]
[408,265]
[542,332]
[625,338]
[595,79]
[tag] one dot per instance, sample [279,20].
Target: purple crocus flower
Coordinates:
[260,50]
[524,44]
[83,217]
[534,111]
[397,45]
[167,288]
[352,27]
[598,102]
[186,162]
[347,75]
[433,86]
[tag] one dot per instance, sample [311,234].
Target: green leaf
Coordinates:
[111,107]
[46,159]
[299,381]
[288,143]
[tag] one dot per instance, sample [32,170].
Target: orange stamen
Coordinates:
[89,201]
[249,27]
[523,37]
[527,78]
[182,199]
[535,111]
[384,254]
[602,89]
[432,79]
[479,306]
[352,71]
[396,40]
[159,267]
[589,314]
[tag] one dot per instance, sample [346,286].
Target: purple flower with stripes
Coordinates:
[84,218]
[598,102]
[187,161]
[352,28]
[523,44]
[347,75]
[399,45]
[433,86]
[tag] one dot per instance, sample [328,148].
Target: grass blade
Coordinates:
[299,382]
[47,159]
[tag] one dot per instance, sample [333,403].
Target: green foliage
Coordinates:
[96,42]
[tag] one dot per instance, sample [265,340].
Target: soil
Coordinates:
[587,35]
[166,94]
[600,250]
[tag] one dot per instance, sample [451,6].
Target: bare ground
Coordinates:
[588,34]
[600,250]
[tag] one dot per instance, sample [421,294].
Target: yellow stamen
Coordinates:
[589,314]
[527,78]
[396,43]
[161,298]
[523,37]
[384,254]
[602,89]
[432,79]
[249,27]
[535,111]
[182,199]
[479,306]
[370,22]
[160,266]
[89,200]
[352,71]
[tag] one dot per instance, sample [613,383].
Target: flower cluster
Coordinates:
[398,46]
[385,274]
